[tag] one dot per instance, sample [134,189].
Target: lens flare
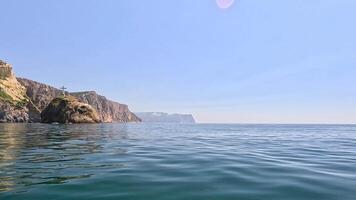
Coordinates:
[224,4]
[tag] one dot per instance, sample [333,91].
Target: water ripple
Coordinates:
[167,161]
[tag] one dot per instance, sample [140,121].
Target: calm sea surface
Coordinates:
[167,161]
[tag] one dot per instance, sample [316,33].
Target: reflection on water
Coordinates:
[10,144]
[177,161]
[32,154]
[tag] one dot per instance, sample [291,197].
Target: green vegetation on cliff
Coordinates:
[4,96]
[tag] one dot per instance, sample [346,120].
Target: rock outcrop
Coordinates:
[109,111]
[5,70]
[68,109]
[9,84]
[159,117]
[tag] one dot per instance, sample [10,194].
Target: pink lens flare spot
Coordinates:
[224,4]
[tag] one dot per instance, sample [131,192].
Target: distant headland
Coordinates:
[160,117]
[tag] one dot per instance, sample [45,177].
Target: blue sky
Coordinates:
[260,61]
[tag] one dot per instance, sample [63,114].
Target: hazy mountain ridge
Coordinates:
[161,117]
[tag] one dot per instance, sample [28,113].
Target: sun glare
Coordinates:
[224,4]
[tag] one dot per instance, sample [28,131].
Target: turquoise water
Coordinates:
[157,161]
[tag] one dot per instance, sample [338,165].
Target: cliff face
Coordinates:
[40,94]
[109,111]
[9,84]
[5,70]
[13,99]
[159,117]
[11,113]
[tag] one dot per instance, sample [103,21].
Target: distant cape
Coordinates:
[161,117]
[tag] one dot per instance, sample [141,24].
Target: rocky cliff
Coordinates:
[159,117]
[5,70]
[9,84]
[40,94]
[109,111]
[23,100]
[13,99]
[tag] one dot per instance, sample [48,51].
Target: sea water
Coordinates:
[177,161]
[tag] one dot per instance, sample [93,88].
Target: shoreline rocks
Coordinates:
[12,114]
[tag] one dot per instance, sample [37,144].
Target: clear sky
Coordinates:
[263,61]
